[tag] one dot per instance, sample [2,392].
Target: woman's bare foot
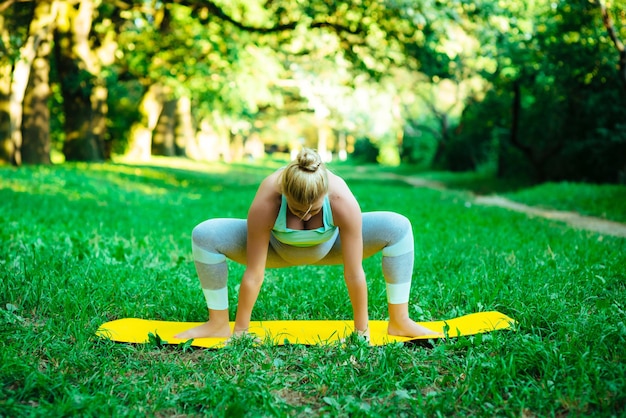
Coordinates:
[364,334]
[206,330]
[238,335]
[410,328]
[401,325]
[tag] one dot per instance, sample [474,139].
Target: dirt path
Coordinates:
[573,219]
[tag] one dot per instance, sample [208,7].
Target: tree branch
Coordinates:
[5,5]
[211,9]
[619,45]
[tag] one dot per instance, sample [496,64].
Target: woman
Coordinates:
[304,214]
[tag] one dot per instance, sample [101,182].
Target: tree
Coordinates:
[212,69]
[560,107]
[553,89]
[41,25]
[14,24]
[83,89]
[613,34]
[536,82]
[36,142]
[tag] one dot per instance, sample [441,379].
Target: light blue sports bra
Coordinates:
[305,237]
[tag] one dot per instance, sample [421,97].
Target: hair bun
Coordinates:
[309,160]
[305,179]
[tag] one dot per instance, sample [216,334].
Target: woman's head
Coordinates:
[305,180]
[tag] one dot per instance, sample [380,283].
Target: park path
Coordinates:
[573,219]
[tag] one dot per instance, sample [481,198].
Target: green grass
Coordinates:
[84,244]
[604,201]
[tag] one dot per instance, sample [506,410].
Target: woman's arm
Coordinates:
[261,217]
[347,216]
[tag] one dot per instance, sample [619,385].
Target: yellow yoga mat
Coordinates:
[308,332]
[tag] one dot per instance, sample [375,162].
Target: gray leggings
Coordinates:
[215,240]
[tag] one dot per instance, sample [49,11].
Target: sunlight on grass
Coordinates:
[84,244]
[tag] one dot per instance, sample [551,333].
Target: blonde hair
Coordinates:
[305,179]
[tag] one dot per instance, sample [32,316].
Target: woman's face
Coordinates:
[305,212]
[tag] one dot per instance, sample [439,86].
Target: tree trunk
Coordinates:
[208,144]
[42,23]
[163,138]
[6,145]
[105,56]
[614,36]
[99,112]
[442,138]
[343,152]
[83,95]
[537,156]
[439,154]
[514,137]
[140,140]
[236,146]
[184,131]
[36,121]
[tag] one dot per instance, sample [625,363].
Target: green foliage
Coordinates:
[477,137]
[215,65]
[123,101]
[364,69]
[570,120]
[83,244]
[416,151]
[15,21]
[364,151]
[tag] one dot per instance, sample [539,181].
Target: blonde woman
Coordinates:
[304,215]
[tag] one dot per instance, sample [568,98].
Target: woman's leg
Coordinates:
[213,243]
[392,234]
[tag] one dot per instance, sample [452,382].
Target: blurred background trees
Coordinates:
[531,89]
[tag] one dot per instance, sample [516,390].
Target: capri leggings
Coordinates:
[216,240]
